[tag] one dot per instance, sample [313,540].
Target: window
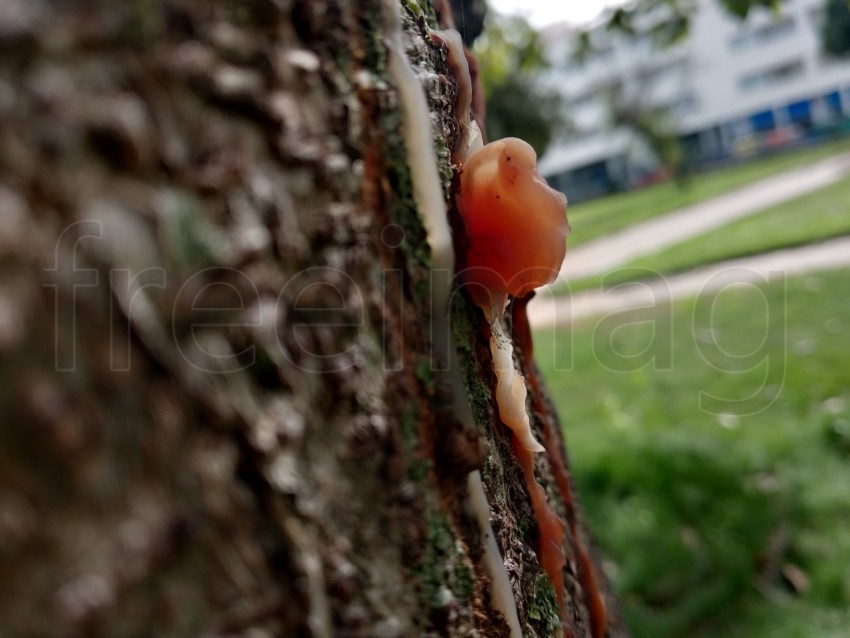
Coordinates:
[581,135]
[751,37]
[833,102]
[684,105]
[652,73]
[800,112]
[762,122]
[773,75]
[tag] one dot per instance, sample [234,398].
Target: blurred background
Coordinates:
[698,339]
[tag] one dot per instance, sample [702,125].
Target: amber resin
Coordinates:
[516,227]
[515,223]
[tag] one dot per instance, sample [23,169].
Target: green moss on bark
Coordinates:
[543,610]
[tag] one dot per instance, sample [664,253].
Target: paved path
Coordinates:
[548,310]
[603,254]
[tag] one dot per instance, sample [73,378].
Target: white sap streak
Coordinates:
[510,388]
[428,194]
[500,585]
[421,153]
[470,138]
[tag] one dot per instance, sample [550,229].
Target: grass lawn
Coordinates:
[815,216]
[711,446]
[593,219]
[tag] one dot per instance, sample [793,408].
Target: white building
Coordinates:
[732,87]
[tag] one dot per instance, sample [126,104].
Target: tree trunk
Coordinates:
[219,411]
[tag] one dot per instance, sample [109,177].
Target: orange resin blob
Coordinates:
[516,224]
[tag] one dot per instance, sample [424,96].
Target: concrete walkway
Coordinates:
[603,254]
[548,310]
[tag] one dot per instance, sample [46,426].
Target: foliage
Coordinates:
[742,8]
[516,109]
[664,23]
[469,18]
[623,20]
[654,126]
[510,53]
[835,30]
[676,20]
[676,16]
[508,46]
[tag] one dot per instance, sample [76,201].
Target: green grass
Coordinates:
[812,217]
[596,218]
[711,446]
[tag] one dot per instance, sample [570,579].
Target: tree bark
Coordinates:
[219,411]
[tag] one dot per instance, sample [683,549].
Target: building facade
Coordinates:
[731,89]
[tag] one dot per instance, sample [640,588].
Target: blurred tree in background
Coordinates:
[469,17]
[651,125]
[835,30]
[510,54]
[674,28]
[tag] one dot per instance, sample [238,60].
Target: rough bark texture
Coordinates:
[218,411]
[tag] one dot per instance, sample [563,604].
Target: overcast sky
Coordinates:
[543,12]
